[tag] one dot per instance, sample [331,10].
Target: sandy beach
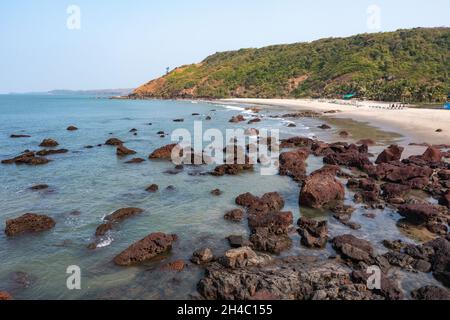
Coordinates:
[417,125]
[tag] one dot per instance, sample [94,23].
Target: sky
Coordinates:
[47,44]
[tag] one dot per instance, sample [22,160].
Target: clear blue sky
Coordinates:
[123,44]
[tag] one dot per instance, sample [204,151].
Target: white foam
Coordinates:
[234,108]
[105,243]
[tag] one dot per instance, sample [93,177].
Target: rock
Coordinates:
[314,234]
[445,199]
[145,249]
[202,256]
[208,118]
[394,190]
[432,154]
[236,119]
[296,142]
[324,127]
[135,161]
[38,187]
[396,245]
[177,266]
[103,229]
[275,222]
[269,202]
[160,133]
[343,212]
[419,213]
[237,241]
[152,188]
[216,192]
[164,152]
[122,214]
[354,249]
[45,152]
[133,130]
[322,189]
[430,293]
[393,153]
[295,278]
[440,260]
[28,158]
[255,120]
[28,223]
[72,128]
[344,134]
[246,200]
[242,257]
[266,241]
[422,266]
[178,120]
[234,215]
[123,151]
[389,289]
[293,164]
[367,142]
[17,136]
[195,114]
[231,169]
[114,142]
[49,143]
[399,259]
[291,125]
[439,130]
[345,155]
[5,296]
[171,188]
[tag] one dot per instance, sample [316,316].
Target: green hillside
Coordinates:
[405,65]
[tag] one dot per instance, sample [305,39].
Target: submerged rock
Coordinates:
[202,256]
[234,215]
[72,128]
[135,161]
[46,152]
[28,223]
[145,249]
[38,187]
[17,136]
[164,152]
[122,214]
[114,142]
[152,188]
[124,151]
[28,158]
[236,119]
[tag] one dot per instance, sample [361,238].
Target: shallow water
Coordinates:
[87,184]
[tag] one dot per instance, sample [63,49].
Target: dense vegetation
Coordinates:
[406,65]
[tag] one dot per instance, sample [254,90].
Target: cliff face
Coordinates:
[407,65]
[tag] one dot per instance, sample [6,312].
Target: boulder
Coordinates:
[236,119]
[242,257]
[152,188]
[432,154]
[103,229]
[322,189]
[28,158]
[122,214]
[354,249]
[145,249]
[314,234]
[275,222]
[393,153]
[114,142]
[123,151]
[237,241]
[293,164]
[28,223]
[46,152]
[266,241]
[419,213]
[235,215]
[72,128]
[164,152]
[49,143]
[202,256]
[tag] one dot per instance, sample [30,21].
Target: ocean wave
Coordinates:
[234,108]
[105,242]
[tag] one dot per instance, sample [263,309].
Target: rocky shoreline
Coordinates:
[252,269]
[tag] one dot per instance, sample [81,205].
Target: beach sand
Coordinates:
[417,125]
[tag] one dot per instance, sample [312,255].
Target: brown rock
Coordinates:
[123,151]
[216,192]
[367,142]
[234,215]
[314,234]
[266,241]
[72,128]
[135,161]
[236,119]
[353,248]
[164,152]
[123,214]
[49,143]
[152,188]
[5,296]
[293,164]
[114,142]
[419,213]
[432,154]
[322,189]
[28,223]
[393,153]
[38,187]
[46,152]
[431,293]
[103,229]
[324,127]
[202,256]
[145,249]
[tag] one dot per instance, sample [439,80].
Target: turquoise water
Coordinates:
[87,184]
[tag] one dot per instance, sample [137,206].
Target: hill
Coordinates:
[406,65]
